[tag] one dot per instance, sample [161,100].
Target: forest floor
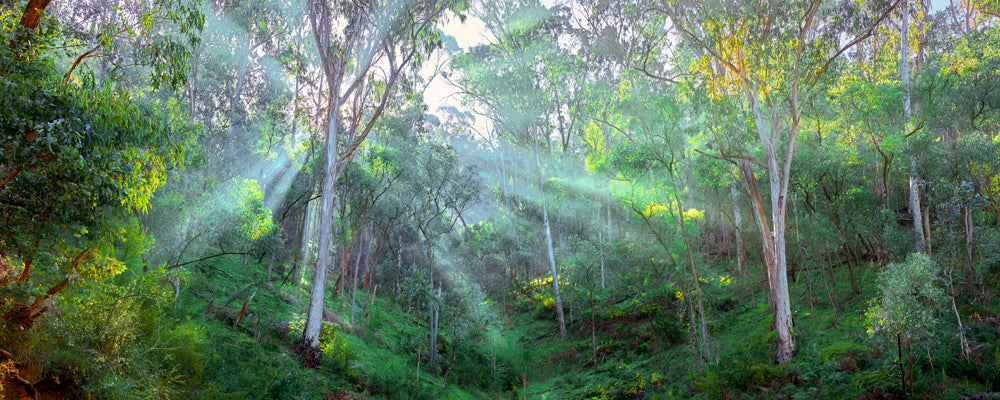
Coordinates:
[642,346]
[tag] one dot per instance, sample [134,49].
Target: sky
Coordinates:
[467,34]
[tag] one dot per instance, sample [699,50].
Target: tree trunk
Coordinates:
[435,317]
[193,83]
[270,268]
[927,230]
[600,241]
[310,335]
[593,335]
[902,371]
[774,250]
[914,188]
[962,341]
[354,282]
[706,354]
[971,277]
[741,251]
[33,13]
[235,104]
[548,242]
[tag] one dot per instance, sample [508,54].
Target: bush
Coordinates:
[669,329]
[393,378]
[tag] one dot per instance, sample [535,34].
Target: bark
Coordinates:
[914,188]
[548,242]
[741,251]
[33,13]
[10,176]
[310,335]
[774,245]
[746,171]
[962,341]
[23,316]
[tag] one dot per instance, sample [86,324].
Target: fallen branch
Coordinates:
[225,253]
[244,309]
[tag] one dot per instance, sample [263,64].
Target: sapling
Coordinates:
[905,310]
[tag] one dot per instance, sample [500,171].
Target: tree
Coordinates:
[395,33]
[503,76]
[904,72]
[905,311]
[767,59]
[441,188]
[75,162]
[139,43]
[647,156]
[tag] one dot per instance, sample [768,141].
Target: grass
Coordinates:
[378,357]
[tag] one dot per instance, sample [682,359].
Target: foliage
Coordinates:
[910,299]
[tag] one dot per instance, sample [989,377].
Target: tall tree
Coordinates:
[769,58]
[392,33]
[508,78]
[914,176]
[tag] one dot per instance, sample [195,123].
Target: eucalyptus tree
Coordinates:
[236,79]
[440,188]
[909,127]
[906,310]
[959,154]
[508,78]
[768,59]
[365,50]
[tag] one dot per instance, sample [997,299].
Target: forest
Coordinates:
[515,199]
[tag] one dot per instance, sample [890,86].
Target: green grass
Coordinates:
[378,357]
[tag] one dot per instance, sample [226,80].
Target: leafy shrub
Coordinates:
[393,378]
[875,380]
[626,388]
[186,347]
[910,297]
[709,383]
[669,329]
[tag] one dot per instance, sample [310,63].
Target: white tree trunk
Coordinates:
[314,319]
[600,241]
[777,269]
[548,242]
[741,254]
[904,72]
